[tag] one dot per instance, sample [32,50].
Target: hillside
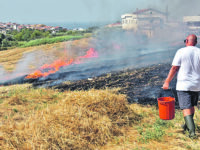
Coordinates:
[48,52]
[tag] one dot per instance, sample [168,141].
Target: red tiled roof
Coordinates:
[144,10]
[140,11]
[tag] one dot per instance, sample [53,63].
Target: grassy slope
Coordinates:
[9,58]
[47,118]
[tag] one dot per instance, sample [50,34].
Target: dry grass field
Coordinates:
[40,118]
[95,119]
[48,119]
[48,52]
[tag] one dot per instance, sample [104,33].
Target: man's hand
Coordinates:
[165,86]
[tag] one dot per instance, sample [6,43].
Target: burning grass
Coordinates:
[9,58]
[69,120]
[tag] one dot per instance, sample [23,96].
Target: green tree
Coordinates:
[69,32]
[47,34]
[18,36]
[2,37]
[36,34]
[26,34]
[5,43]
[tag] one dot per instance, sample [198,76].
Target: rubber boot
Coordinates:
[190,125]
[184,126]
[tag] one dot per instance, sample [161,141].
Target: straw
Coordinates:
[83,120]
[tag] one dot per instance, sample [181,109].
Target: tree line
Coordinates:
[14,38]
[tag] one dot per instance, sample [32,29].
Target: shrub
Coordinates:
[50,40]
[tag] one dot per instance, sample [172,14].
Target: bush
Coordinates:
[29,34]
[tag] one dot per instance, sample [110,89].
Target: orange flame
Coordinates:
[48,69]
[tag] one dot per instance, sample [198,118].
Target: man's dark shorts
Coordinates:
[187,99]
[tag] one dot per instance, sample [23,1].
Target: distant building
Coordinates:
[5,27]
[3,30]
[192,24]
[116,24]
[15,26]
[145,21]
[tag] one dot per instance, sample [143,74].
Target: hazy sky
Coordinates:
[25,11]
[52,11]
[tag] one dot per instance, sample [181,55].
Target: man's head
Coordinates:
[191,40]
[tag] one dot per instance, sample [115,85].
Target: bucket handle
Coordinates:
[171,89]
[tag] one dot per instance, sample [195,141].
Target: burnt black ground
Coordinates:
[141,86]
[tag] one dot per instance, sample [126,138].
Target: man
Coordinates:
[187,63]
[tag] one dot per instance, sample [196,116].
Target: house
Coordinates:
[20,27]
[116,24]
[144,20]
[5,27]
[192,24]
[56,29]
[3,30]
[15,26]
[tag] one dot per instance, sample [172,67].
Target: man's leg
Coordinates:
[189,121]
[187,101]
[187,112]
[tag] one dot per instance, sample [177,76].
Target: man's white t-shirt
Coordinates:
[188,77]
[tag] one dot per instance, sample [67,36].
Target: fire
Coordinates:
[48,69]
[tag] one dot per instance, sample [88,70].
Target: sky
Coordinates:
[44,11]
[22,11]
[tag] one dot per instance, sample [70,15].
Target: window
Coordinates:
[193,23]
[128,16]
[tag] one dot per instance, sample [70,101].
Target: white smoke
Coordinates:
[179,8]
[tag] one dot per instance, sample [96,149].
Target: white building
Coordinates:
[145,21]
[192,22]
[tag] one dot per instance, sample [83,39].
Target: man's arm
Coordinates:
[172,72]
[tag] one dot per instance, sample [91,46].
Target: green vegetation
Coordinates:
[153,132]
[29,34]
[34,37]
[6,41]
[49,40]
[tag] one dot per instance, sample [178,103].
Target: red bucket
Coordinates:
[166,107]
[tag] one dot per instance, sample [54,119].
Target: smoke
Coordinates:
[21,69]
[134,49]
[118,49]
[27,64]
[179,8]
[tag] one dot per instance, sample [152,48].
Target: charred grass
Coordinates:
[94,119]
